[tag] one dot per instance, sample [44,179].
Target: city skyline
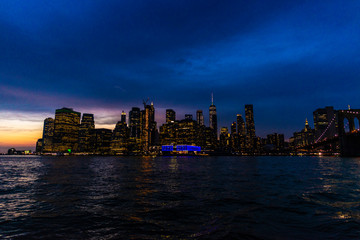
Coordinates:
[161,116]
[286,58]
[335,132]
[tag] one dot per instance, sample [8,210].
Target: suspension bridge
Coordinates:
[347,141]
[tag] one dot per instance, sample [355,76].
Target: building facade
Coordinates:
[66,130]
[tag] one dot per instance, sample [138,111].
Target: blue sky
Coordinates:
[285,57]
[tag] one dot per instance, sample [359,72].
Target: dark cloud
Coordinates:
[283,56]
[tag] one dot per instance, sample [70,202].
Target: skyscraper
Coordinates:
[86,132]
[200,117]
[240,125]
[148,126]
[48,134]
[233,128]
[250,126]
[119,138]
[66,130]
[213,116]
[224,137]
[123,117]
[170,115]
[134,122]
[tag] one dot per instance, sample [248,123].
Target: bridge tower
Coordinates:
[349,142]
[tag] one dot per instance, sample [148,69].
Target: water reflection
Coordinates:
[17,177]
[179,197]
[173,166]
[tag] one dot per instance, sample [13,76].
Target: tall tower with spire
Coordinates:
[213,116]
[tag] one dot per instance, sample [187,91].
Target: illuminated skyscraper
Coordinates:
[120,137]
[134,122]
[233,128]
[86,132]
[224,137]
[250,126]
[200,117]
[148,126]
[170,115]
[213,116]
[123,117]
[48,134]
[240,125]
[66,130]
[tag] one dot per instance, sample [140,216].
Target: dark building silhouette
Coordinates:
[48,134]
[213,116]
[39,146]
[66,130]
[12,151]
[120,138]
[86,132]
[134,123]
[234,138]
[188,116]
[200,117]
[322,118]
[240,125]
[241,130]
[170,115]
[250,127]
[123,117]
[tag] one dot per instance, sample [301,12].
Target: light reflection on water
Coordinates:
[179,197]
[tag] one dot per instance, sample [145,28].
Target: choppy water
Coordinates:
[179,198]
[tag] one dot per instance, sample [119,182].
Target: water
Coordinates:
[179,198]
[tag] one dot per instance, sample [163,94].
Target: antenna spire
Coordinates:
[212,98]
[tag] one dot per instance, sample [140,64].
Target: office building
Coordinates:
[120,138]
[134,123]
[240,125]
[148,127]
[200,117]
[86,132]
[66,130]
[48,134]
[102,141]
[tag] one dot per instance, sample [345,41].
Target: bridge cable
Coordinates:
[328,126]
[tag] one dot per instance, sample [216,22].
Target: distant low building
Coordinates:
[13,151]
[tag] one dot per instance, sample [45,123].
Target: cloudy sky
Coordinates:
[285,57]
